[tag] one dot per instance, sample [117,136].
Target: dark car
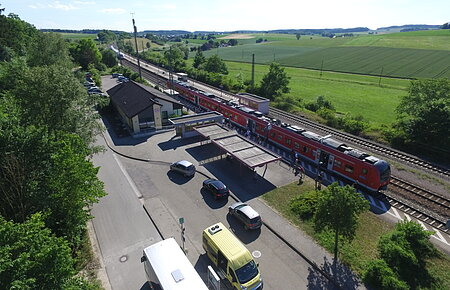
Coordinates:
[217,188]
[246,215]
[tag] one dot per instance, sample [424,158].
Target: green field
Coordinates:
[420,54]
[349,93]
[77,36]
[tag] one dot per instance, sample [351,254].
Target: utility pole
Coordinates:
[137,51]
[321,69]
[253,71]
[381,74]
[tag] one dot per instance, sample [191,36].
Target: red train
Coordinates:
[329,154]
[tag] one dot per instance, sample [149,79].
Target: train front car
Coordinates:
[384,171]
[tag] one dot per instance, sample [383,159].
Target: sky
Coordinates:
[226,15]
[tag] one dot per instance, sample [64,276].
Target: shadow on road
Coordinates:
[342,276]
[211,201]
[178,178]
[246,236]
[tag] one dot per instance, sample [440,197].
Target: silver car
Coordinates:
[184,167]
[246,215]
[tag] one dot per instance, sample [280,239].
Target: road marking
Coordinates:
[130,181]
[441,238]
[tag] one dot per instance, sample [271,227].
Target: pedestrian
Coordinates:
[300,171]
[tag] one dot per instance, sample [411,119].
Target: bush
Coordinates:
[305,205]
[380,276]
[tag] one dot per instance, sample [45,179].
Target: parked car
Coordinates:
[88,85]
[246,215]
[95,91]
[116,75]
[122,79]
[216,188]
[184,167]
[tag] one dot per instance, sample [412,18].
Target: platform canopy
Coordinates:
[248,153]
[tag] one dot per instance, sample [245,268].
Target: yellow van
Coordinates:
[231,258]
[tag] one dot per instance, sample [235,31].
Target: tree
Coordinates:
[445,25]
[86,52]
[199,59]
[424,114]
[175,58]
[275,82]
[109,57]
[298,35]
[32,257]
[338,210]
[379,275]
[215,64]
[49,49]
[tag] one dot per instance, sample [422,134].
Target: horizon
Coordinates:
[225,17]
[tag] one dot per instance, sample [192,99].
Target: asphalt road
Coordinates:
[123,227]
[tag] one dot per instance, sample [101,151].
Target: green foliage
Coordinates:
[109,57]
[16,34]
[85,52]
[175,58]
[199,59]
[32,257]
[49,49]
[424,114]
[305,205]
[106,36]
[214,64]
[406,251]
[319,103]
[275,82]
[338,210]
[287,103]
[379,275]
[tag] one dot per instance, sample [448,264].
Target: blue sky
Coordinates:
[227,15]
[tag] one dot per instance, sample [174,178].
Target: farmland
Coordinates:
[424,54]
[354,94]
[77,36]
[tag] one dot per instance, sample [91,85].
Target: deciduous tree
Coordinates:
[199,59]
[85,52]
[275,82]
[338,210]
[424,114]
[215,64]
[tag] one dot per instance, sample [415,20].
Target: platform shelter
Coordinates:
[184,126]
[237,147]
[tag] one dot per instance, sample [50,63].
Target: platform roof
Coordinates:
[195,118]
[248,153]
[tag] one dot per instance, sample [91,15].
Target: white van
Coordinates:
[167,267]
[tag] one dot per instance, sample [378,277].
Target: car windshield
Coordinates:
[247,272]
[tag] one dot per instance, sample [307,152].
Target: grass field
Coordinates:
[363,248]
[349,93]
[420,54]
[77,36]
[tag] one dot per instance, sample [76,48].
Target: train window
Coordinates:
[337,163]
[272,134]
[296,145]
[280,137]
[349,168]
[365,171]
[235,117]
[288,141]
[305,149]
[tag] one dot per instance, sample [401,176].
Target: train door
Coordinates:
[324,157]
[317,156]
[330,162]
[196,100]
[251,125]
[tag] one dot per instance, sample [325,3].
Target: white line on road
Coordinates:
[130,181]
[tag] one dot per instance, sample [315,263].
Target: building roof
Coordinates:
[134,98]
[187,119]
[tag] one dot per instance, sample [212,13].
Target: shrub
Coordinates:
[380,276]
[305,205]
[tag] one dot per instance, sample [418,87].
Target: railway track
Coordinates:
[372,146]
